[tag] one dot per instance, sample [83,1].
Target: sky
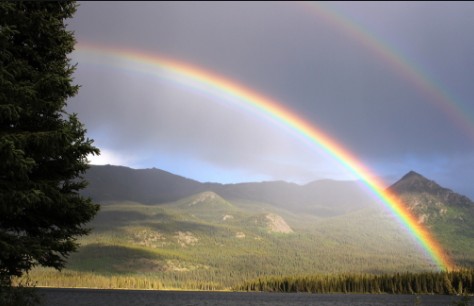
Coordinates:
[389,82]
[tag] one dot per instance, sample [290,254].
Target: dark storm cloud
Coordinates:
[286,51]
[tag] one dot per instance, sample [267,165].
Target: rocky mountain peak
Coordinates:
[414,184]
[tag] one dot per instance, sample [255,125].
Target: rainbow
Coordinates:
[271,108]
[437,96]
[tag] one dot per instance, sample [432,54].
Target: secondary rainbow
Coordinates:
[148,63]
[435,93]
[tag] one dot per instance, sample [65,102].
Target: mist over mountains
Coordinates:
[322,198]
[182,233]
[154,186]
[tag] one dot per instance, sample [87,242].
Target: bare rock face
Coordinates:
[186,239]
[204,197]
[240,235]
[277,224]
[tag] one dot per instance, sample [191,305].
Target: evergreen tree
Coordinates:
[43,149]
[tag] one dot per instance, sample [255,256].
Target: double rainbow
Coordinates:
[436,95]
[187,74]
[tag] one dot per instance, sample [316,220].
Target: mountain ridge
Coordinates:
[326,197]
[209,233]
[153,186]
[415,183]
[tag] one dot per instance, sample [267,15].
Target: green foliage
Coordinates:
[43,149]
[184,246]
[209,242]
[399,283]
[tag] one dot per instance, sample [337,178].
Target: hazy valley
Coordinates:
[167,231]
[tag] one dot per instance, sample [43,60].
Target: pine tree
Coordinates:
[43,149]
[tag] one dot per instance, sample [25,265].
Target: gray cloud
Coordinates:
[315,68]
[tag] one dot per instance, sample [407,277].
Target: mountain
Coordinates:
[322,197]
[427,199]
[117,183]
[414,183]
[161,230]
[449,215]
[154,186]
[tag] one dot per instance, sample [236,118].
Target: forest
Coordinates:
[449,283]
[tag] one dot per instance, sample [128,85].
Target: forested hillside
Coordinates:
[449,216]
[192,235]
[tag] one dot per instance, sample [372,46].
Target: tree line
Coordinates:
[447,283]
